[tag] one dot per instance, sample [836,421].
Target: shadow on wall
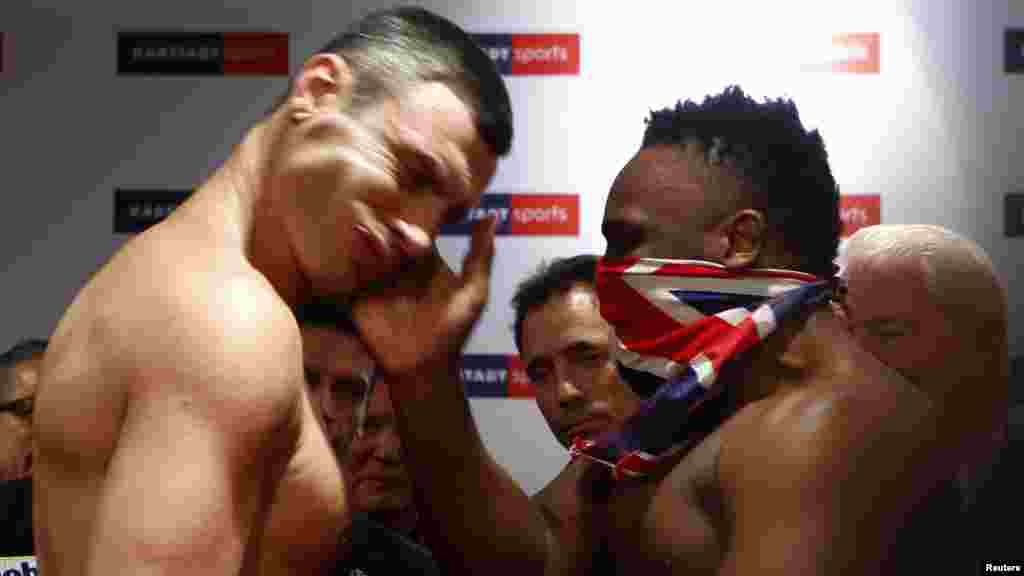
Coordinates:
[1017,381]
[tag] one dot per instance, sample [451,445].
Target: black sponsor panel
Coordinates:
[485,375]
[1013,213]
[1014,51]
[499,48]
[136,210]
[169,54]
[497,204]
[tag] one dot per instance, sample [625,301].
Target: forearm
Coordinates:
[478,519]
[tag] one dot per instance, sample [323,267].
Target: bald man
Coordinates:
[929,303]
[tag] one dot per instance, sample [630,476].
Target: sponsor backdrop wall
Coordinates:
[111,116]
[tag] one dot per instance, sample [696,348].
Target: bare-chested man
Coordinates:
[172,411]
[822,452]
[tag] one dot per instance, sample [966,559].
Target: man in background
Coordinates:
[19,373]
[355,410]
[929,303]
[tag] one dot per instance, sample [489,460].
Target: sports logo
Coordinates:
[136,210]
[532,54]
[858,53]
[524,215]
[169,53]
[858,211]
[495,376]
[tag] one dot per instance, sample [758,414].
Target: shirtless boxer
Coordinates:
[824,457]
[171,410]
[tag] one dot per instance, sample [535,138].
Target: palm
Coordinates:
[422,320]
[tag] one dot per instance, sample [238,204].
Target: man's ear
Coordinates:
[325,82]
[741,238]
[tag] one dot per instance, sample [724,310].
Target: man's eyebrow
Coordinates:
[581,345]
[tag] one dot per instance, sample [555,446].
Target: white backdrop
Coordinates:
[936,133]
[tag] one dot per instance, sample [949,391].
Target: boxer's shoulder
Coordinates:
[824,414]
[829,442]
[162,317]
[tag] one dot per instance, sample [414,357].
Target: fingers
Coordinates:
[476,268]
[413,240]
[471,295]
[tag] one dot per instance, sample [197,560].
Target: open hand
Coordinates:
[422,318]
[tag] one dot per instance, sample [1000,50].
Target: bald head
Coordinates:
[928,302]
[955,270]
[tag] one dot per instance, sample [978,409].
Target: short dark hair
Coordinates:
[391,49]
[326,313]
[783,167]
[23,350]
[555,277]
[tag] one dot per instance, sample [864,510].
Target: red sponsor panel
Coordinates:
[544,214]
[3,53]
[519,385]
[545,54]
[858,211]
[857,53]
[255,53]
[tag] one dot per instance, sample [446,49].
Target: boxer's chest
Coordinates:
[674,524]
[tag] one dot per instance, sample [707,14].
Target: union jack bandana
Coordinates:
[676,323]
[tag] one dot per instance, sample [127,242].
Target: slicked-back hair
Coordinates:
[390,50]
[781,167]
[551,279]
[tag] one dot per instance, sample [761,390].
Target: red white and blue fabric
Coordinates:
[676,324]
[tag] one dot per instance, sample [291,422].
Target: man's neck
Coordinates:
[238,190]
[798,354]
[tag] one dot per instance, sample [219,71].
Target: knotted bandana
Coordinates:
[676,324]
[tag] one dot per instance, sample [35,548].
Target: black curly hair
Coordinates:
[782,168]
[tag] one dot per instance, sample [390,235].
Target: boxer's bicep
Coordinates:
[206,431]
[183,488]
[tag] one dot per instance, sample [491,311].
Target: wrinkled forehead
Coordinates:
[434,119]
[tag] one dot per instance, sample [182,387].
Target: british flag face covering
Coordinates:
[676,324]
